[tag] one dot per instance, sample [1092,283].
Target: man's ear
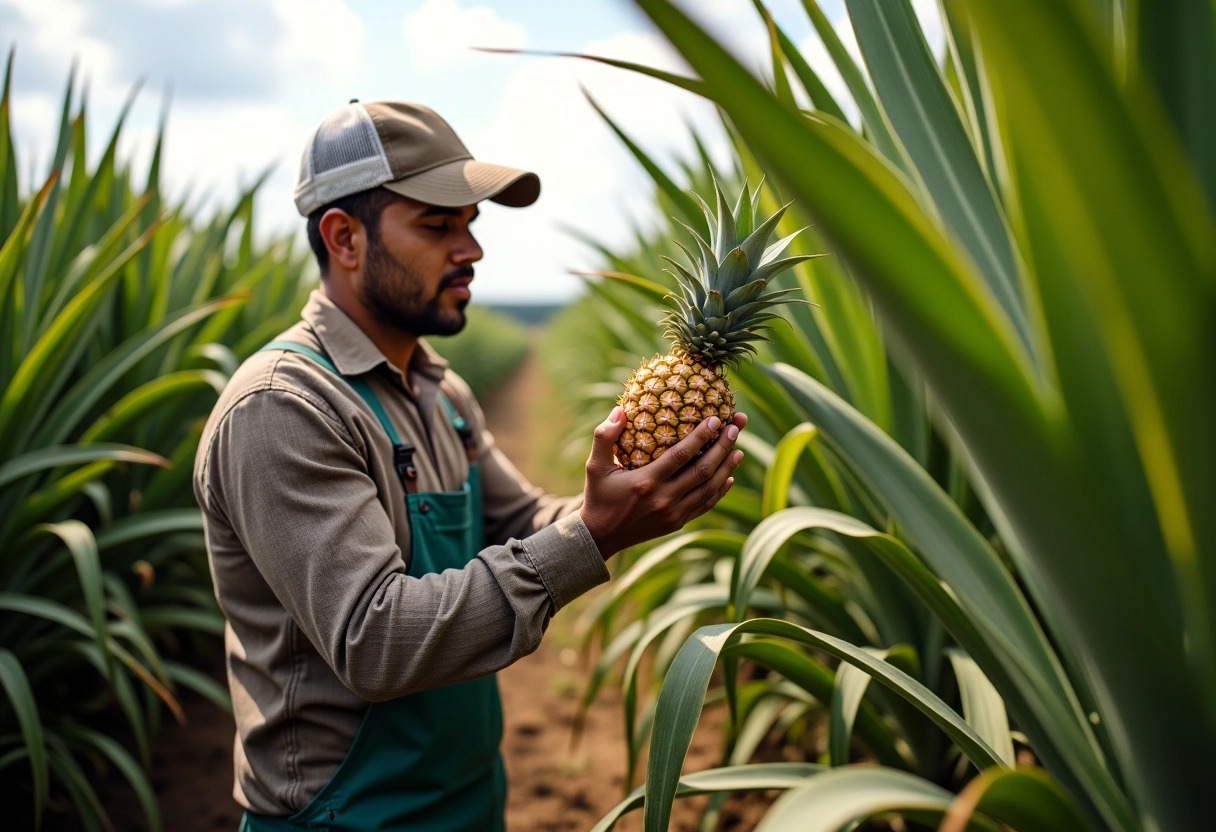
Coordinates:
[345,238]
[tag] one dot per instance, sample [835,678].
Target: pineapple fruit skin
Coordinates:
[664,400]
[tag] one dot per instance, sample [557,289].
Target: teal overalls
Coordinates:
[430,760]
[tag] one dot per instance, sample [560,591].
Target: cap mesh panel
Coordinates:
[344,156]
[345,137]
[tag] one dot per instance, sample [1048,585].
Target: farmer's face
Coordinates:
[419,266]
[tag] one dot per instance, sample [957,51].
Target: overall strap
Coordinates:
[461,426]
[403,452]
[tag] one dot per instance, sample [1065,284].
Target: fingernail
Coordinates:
[714,423]
[615,415]
[738,455]
[732,433]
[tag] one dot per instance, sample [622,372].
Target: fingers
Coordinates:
[726,486]
[606,433]
[681,453]
[701,498]
[707,463]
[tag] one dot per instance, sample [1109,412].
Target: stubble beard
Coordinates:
[394,294]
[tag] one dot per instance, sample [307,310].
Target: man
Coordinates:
[376,556]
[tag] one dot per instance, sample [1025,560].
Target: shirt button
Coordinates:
[424,506]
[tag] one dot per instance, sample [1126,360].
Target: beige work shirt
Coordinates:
[306,529]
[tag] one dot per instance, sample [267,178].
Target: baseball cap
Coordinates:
[408,149]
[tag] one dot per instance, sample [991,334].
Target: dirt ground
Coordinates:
[554,785]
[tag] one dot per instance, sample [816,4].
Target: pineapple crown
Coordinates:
[722,306]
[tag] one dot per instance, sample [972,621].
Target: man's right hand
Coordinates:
[623,507]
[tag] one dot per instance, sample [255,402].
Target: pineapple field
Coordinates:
[965,576]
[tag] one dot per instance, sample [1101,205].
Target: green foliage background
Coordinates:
[122,316]
[984,461]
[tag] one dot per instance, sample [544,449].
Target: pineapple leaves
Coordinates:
[769,270]
[721,291]
[744,216]
[745,293]
[772,252]
[754,245]
[709,261]
[727,236]
[732,274]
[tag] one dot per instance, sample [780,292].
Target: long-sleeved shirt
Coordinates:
[308,540]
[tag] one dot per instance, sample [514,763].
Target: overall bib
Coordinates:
[429,760]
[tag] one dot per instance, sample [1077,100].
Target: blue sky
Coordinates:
[250,78]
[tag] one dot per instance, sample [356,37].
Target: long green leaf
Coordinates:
[69,618]
[690,84]
[930,129]
[821,99]
[51,351]
[847,695]
[17,687]
[727,779]
[917,266]
[683,692]
[872,116]
[201,684]
[812,676]
[153,395]
[1098,235]
[1176,51]
[1024,798]
[151,524]
[829,801]
[91,812]
[983,707]
[124,694]
[80,542]
[92,740]
[714,539]
[888,607]
[650,289]
[16,243]
[982,585]
[65,455]
[102,377]
[779,475]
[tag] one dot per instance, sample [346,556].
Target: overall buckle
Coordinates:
[403,460]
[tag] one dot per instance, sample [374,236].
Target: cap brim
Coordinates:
[467,182]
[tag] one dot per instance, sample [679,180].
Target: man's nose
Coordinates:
[468,251]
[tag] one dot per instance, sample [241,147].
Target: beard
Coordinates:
[394,293]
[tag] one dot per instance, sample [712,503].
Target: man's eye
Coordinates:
[440,228]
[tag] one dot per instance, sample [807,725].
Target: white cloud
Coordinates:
[203,49]
[589,180]
[323,35]
[49,34]
[441,32]
[215,145]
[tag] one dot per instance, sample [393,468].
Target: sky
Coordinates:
[250,79]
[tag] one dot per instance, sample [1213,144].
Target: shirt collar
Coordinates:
[348,346]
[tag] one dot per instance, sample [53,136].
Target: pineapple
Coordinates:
[721,307]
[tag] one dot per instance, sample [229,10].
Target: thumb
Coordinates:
[606,433]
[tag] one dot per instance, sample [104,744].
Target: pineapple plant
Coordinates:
[721,308]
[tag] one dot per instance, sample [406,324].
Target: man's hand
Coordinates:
[623,507]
